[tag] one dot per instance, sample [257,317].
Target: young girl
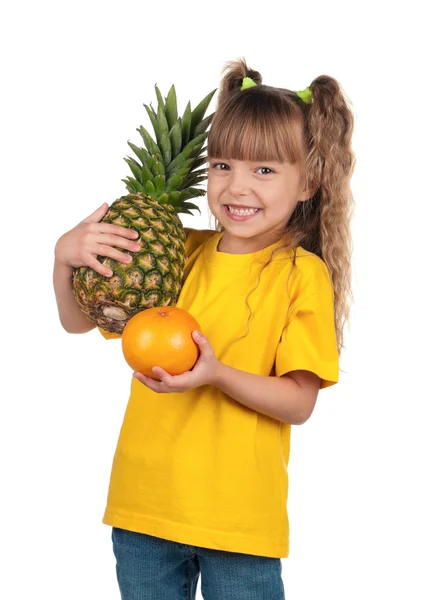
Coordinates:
[199,482]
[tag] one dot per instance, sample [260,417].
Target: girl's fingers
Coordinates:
[152,384]
[109,228]
[118,242]
[99,267]
[92,238]
[97,215]
[111,252]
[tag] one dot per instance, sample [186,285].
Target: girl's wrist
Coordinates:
[217,376]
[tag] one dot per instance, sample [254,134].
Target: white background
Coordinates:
[362,497]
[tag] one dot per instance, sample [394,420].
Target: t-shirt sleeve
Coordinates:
[308,340]
[108,335]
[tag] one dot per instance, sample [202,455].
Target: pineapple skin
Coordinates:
[153,278]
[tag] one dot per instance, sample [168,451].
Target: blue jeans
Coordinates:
[152,568]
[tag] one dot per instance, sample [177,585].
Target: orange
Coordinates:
[160,337]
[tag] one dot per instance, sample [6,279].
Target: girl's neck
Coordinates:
[230,244]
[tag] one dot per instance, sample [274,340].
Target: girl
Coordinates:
[199,480]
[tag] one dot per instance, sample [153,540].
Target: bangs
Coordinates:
[257,126]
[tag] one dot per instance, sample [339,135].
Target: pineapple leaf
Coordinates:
[158,182]
[194,180]
[173,183]
[199,161]
[197,148]
[166,150]
[171,109]
[187,164]
[203,125]
[185,210]
[156,166]
[186,124]
[135,184]
[141,153]
[159,97]
[153,119]
[197,141]
[181,172]
[135,168]
[153,110]
[160,168]
[191,193]
[149,142]
[189,151]
[175,137]
[199,112]
[192,206]
[174,197]
[162,121]
[198,172]
[163,199]
[173,200]
[163,137]
[196,192]
[146,175]
[149,188]
[129,187]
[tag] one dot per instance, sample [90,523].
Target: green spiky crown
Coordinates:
[169,168]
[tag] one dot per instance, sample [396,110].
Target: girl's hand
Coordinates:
[81,245]
[203,373]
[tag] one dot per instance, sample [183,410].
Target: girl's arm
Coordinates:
[71,316]
[290,398]
[80,247]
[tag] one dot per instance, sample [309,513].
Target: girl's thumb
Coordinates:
[97,215]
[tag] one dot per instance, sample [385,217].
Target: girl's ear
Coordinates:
[308,187]
[307,193]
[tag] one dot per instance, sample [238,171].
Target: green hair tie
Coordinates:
[305,95]
[247,83]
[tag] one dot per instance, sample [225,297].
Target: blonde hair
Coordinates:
[270,123]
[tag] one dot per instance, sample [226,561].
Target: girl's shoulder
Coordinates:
[310,261]
[312,272]
[196,237]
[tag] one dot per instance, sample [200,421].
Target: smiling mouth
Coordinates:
[244,211]
[241,214]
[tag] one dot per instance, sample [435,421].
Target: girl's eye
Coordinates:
[218,167]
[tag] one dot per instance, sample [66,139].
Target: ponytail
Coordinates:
[234,73]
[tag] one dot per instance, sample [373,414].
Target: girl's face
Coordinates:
[253,201]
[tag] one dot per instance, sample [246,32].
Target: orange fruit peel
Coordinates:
[160,337]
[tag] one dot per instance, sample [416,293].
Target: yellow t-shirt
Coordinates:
[198,467]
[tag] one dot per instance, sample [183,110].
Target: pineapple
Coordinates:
[164,179]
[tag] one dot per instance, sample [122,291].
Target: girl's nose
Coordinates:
[239,185]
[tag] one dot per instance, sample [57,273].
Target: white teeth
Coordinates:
[242,211]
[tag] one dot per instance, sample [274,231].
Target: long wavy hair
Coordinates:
[260,123]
